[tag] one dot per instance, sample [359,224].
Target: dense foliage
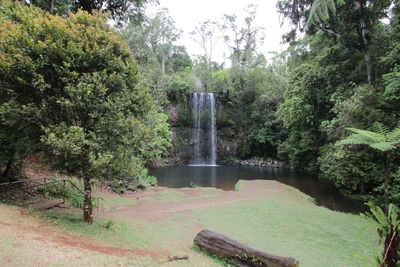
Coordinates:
[165,67]
[249,91]
[119,10]
[343,79]
[70,88]
[73,84]
[343,72]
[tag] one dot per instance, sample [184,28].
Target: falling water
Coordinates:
[204,129]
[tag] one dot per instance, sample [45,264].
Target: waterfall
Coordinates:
[204,132]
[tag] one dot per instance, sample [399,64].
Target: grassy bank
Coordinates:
[266,215]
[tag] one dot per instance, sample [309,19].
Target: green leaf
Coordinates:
[320,11]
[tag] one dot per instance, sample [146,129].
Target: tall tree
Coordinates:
[153,45]
[384,141]
[353,23]
[302,111]
[243,40]
[74,83]
[207,36]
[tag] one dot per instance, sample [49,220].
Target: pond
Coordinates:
[225,177]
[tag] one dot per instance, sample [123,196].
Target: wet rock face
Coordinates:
[180,153]
[182,138]
[227,145]
[227,140]
[261,162]
[173,114]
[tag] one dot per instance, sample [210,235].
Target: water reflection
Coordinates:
[225,177]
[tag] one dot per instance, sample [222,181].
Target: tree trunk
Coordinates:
[238,253]
[87,204]
[364,40]
[163,66]
[51,6]
[368,63]
[390,255]
[386,183]
[7,169]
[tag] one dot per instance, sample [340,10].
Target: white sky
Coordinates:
[189,13]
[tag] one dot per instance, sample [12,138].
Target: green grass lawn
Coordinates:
[179,196]
[284,223]
[116,202]
[276,219]
[313,235]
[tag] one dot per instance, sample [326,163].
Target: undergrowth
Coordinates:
[66,190]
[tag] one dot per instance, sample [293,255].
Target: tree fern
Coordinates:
[394,134]
[383,146]
[320,10]
[381,128]
[381,139]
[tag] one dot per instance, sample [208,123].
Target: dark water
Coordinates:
[225,177]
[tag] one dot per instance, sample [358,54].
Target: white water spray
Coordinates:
[204,131]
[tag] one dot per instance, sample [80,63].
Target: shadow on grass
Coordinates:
[214,258]
[106,230]
[74,222]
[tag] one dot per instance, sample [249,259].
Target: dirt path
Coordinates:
[26,228]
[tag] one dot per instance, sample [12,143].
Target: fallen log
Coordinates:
[238,253]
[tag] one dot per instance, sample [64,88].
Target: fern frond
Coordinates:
[383,139]
[314,13]
[381,128]
[377,137]
[394,135]
[356,139]
[320,10]
[331,6]
[382,146]
[324,11]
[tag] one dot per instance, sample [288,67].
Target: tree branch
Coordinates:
[330,31]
